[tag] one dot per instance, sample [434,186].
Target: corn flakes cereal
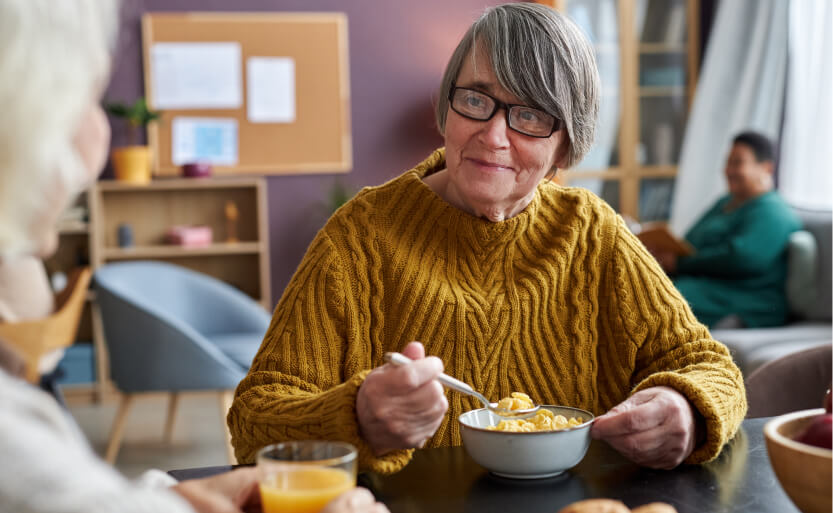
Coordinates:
[544,420]
[517,401]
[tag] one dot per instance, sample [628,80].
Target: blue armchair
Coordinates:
[168,328]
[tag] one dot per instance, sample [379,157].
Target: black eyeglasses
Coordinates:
[479,106]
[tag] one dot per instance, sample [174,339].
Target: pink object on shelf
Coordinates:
[196,170]
[189,236]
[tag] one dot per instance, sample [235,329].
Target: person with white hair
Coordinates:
[54,64]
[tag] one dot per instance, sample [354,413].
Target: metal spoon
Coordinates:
[456,384]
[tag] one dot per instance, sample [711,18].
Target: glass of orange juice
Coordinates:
[303,476]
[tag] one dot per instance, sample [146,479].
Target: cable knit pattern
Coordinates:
[560,301]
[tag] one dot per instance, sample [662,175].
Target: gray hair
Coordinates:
[54,56]
[541,57]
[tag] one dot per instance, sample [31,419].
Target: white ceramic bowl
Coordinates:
[525,455]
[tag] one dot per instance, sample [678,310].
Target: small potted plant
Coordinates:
[132,163]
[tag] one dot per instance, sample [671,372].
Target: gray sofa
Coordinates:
[808,292]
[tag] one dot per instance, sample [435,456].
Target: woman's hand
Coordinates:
[231,492]
[654,427]
[357,500]
[237,491]
[400,407]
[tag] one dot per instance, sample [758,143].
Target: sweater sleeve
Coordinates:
[304,380]
[669,347]
[753,247]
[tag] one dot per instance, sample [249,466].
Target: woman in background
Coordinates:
[737,274]
[54,60]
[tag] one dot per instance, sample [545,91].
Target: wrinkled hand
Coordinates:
[230,492]
[358,500]
[400,407]
[654,427]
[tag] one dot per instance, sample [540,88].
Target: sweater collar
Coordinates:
[478,231]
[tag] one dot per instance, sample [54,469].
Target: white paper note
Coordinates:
[212,140]
[270,88]
[196,75]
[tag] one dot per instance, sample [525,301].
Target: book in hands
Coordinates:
[657,237]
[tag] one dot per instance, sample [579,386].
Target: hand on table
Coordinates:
[400,407]
[237,491]
[230,492]
[655,427]
[357,500]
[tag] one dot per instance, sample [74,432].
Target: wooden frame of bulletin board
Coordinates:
[318,140]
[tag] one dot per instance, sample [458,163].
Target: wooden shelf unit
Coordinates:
[150,210]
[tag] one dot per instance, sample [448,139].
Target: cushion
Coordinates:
[793,382]
[802,263]
[820,224]
[743,342]
[759,357]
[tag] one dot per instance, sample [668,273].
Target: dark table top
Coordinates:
[447,480]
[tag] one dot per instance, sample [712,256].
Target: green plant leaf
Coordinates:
[137,114]
[338,195]
[118,110]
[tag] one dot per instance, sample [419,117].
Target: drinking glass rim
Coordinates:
[352,453]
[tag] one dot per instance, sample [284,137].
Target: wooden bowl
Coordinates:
[803,470]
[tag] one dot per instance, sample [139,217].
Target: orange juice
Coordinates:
[304,489]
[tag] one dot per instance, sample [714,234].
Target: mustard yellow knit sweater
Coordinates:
[560,301]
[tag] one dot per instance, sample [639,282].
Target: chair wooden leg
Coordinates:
[226,398]
[102,358]
[117,430]
[169,420]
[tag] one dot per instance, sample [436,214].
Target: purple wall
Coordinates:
[398,51]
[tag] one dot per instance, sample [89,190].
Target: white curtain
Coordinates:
[805,170]
[741,86]
[599,22]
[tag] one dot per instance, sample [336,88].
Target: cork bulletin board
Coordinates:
[317,138]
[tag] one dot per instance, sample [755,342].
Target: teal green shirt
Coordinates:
[740,264]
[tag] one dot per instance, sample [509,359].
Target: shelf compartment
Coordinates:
[151,212]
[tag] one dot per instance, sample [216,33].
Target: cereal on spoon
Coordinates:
[544,420]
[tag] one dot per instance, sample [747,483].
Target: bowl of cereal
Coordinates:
[544,445]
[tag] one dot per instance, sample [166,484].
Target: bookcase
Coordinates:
[147,212]
[648,55]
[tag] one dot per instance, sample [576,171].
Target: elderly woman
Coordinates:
[511,282]
[737,275]
[54,60]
